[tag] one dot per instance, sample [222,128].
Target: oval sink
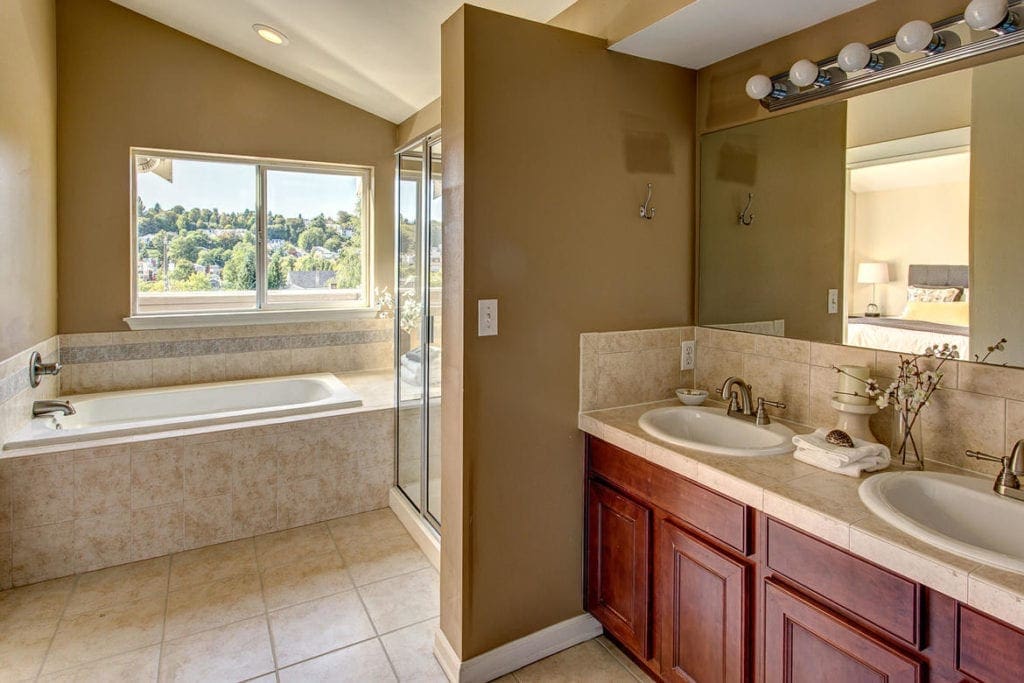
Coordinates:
[953,512]
[710,429]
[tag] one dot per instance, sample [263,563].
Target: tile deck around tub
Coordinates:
[348,599]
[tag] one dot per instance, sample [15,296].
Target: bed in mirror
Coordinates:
[893,220]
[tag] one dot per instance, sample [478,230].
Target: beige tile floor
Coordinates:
[352,599]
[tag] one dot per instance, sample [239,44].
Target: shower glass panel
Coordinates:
[418,327]
[408,305]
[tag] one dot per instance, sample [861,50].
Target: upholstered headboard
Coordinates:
[938,276]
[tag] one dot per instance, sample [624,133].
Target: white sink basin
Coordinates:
[710,429]
[955,513]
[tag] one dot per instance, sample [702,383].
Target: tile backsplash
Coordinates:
[979,406]
[16,396]
[623,368]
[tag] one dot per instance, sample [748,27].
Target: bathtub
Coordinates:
[144,411]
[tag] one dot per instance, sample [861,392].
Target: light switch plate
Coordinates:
[487,317]
[833,301]
[686,359]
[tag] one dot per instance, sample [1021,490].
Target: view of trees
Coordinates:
[194,250]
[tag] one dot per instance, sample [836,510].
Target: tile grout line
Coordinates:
[163,631]
[359,596]
[56,628]
[266,608]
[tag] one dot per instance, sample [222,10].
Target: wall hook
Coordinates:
[646,210]
[746,218]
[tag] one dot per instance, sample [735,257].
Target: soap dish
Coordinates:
[692,397]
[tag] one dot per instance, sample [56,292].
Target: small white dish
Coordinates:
[692,397]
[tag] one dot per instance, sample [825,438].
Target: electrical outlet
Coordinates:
[833,301]
[487,317]
[686,361]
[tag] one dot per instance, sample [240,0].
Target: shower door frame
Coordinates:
[423,145]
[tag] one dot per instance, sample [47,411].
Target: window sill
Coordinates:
[234,318]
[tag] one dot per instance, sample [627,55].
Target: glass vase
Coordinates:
[906,448]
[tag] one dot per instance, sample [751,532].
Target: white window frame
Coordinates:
[265,311]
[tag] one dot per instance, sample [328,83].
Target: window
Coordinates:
[217,233]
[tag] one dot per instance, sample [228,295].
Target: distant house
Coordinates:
[311,279]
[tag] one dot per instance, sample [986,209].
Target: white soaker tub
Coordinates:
[143,411]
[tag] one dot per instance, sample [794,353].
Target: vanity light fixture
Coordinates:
[916,47]
[760,87]
[270,34]
[805,73]
[919,36]
[857,57]
[992,15]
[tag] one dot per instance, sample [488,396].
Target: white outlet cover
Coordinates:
[686,360]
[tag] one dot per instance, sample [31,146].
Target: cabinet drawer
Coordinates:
[716,515]
[886,600]
[989,650]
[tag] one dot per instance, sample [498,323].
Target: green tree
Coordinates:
[182,270]
[312,237]
[276,277]
[240,269]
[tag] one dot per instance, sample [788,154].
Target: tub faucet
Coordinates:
[1008,480]
[41,408]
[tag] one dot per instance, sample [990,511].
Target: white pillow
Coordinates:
[932,294]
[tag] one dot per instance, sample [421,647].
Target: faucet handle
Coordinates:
[1007,478]
[762,415]
[979,455]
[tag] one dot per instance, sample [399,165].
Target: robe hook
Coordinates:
[746,218]
[646,210]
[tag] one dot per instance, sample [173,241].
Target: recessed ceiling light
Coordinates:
[270,34]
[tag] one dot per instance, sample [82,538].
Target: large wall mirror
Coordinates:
[894,220]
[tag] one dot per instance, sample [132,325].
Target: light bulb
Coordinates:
[985,15]
[804,73]
[918,36]
[857,56]
[759,87]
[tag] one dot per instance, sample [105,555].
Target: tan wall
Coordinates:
[550,142]
[124,81]
[997,204]
[929,106]
[28,264]
[418,125]
[782,266]
[722,101]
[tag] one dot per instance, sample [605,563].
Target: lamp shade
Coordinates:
[872,273]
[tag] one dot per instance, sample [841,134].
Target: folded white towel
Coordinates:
[817,458]
[838,456]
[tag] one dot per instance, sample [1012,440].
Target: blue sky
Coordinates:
[232,187]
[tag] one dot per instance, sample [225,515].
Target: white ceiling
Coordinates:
[707,31]
[383,56]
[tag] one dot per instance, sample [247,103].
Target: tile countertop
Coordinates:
[823,504]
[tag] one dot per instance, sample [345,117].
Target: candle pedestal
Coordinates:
[854,419]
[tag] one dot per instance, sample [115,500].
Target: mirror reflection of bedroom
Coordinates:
[908,217]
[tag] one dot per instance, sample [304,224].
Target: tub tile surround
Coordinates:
[16,396]
[977,408]
[113,361]
[73,511]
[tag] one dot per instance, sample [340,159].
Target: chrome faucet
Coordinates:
[1008,480]
[741,404]
[41,408]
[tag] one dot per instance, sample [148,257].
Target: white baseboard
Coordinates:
[424,535]
[517,654]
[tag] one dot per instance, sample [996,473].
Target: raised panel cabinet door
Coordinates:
[702,608]
[618,566]
[805,643]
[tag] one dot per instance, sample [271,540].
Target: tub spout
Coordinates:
[41,408]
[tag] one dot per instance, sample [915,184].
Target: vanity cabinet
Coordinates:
[698,587]
[702,603]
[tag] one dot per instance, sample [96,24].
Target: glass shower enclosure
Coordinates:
[418,343]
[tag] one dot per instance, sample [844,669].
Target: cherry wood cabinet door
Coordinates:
[702,603]
[805,643]
[618,566]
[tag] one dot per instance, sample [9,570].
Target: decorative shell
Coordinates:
[839,438]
